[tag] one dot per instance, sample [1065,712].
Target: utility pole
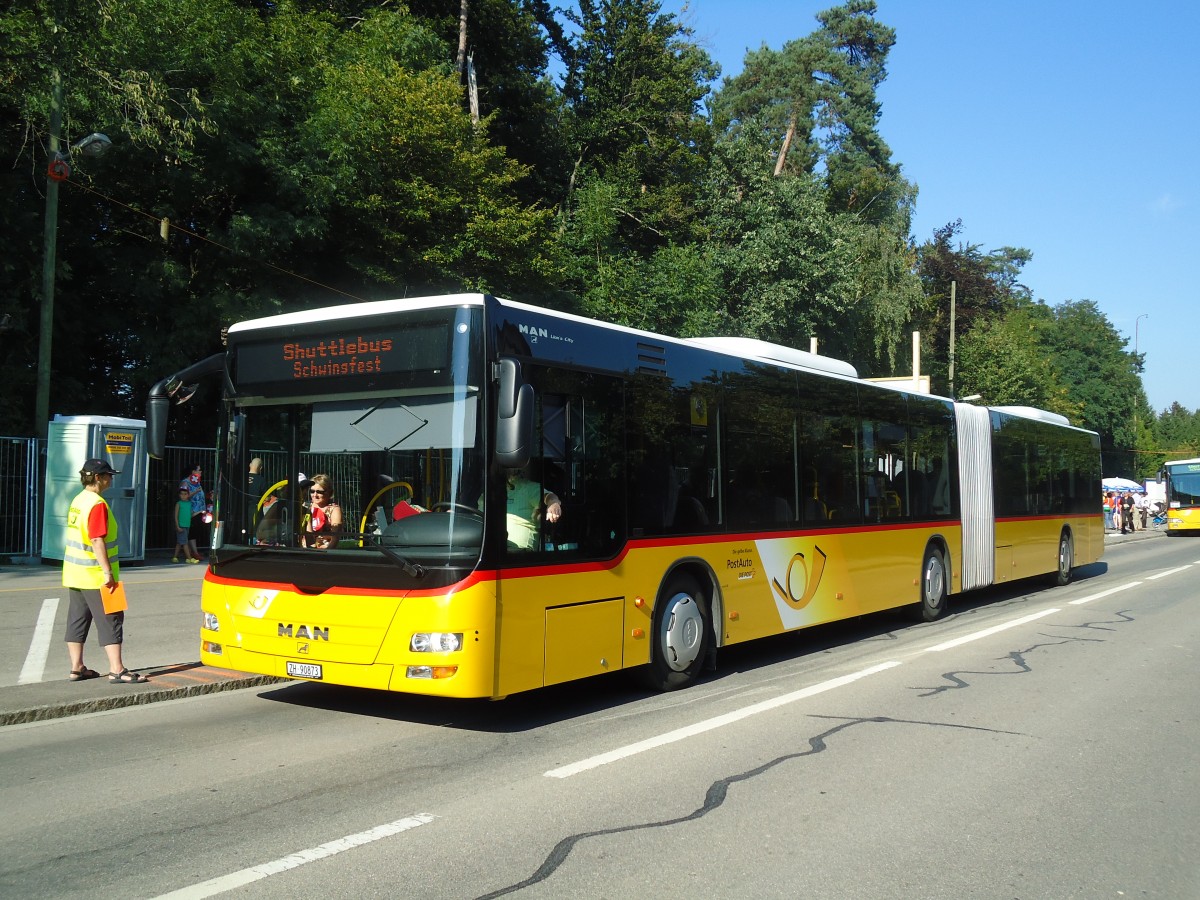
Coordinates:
[953,285]
[41,407]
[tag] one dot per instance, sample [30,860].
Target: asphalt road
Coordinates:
[1037,743]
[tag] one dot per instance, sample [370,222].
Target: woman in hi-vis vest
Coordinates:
[90,570]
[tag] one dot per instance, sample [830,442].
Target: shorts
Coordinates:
[85,607]
[181,536]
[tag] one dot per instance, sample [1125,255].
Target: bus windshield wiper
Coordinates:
[411,569]
[222,558]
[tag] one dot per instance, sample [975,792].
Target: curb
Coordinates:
[156,692]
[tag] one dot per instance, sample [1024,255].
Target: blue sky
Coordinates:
[1067,128]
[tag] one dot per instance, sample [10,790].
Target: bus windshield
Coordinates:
[1184,484]
[363,449]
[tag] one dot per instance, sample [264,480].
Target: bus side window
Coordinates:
[579,457]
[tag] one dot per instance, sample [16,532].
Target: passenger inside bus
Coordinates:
[324,515]
[815,511]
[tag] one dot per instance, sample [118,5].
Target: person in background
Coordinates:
[183,521]
[324,516]
[1127,513]
[254,480]
[192,484]
[90,570]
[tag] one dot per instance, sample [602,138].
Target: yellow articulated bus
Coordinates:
[463,496]
[1182,479]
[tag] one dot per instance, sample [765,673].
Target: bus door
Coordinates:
[561,607]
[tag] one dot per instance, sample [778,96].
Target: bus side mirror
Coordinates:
[177,387]
[514,417]
[158,407]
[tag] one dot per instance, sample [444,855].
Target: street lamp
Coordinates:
[1136,323]
[59,170]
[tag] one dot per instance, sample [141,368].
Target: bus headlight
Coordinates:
[435,642]
[211,622]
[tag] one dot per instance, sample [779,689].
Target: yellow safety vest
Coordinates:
[81,568]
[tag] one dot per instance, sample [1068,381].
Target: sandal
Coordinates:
[83,674]
[126,677]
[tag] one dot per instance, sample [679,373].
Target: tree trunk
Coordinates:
[787,142]
[460,61]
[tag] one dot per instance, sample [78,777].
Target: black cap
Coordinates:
[97,467]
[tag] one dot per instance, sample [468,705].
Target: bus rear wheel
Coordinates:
[1066,560]
[935,587]
[681,635]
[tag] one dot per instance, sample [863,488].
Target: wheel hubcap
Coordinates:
[682,632]
[935,583]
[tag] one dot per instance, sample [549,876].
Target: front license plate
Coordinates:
[304,670]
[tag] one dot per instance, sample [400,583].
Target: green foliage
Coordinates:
[986,290]
[815,101]
[1177,433]
[632,94]
[312,152]
[786,262]
[1004,362]
[1100,376]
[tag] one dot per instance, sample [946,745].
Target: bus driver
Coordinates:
[526,501]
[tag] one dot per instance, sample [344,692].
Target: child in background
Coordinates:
[183,520]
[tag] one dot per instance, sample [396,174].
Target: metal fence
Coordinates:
[23,476]
[162,491]
[22,479]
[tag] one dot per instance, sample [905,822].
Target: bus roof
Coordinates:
[357,311]
[747,348]
[765,350]
[1032,412]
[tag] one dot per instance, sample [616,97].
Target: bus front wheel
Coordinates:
[681,636]
[935,586]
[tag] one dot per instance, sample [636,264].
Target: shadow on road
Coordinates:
[559,703]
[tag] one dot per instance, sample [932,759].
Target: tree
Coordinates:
[986,289]
[291,174]
[633,90]
[815,99]
[1004,362]
[1100,375]
[1177,432]
[509,43]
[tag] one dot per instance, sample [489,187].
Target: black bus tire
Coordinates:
[935,586]
[1066,560]
[681,635]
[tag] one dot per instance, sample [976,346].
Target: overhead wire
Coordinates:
[208,240]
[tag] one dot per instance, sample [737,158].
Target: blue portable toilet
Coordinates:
[72,440]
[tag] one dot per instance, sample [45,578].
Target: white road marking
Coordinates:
[1166,573]
[680,734]
[254,873]
[966,639]
[1117,589]
[34,668]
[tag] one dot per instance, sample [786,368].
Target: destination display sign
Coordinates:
[344,356]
